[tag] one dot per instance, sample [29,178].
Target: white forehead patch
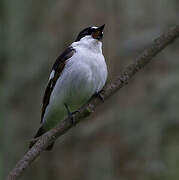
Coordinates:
[94,27]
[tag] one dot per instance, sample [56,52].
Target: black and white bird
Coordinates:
[77,74]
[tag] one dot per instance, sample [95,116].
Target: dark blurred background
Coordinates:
[135,134]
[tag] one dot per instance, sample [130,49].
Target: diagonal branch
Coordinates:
[158,45]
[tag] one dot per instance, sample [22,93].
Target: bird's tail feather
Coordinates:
[40,132]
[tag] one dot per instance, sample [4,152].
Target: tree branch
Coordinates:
[121,80]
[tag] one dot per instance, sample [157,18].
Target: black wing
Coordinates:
[57,68]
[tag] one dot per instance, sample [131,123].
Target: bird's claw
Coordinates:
[99,95]
[71,114]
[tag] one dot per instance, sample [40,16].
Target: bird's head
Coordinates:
[91,32]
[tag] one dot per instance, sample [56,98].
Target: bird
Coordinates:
[77,74]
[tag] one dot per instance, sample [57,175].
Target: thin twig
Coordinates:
[121,80]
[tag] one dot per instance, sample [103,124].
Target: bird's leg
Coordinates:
[99,95]
[70,114]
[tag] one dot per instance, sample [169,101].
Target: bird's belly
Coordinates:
[78,93]
[73,88]
[74,97]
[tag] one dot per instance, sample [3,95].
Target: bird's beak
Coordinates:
[98,33]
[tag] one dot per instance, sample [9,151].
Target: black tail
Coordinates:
[38,134]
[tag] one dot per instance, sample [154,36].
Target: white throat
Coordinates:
[90,43]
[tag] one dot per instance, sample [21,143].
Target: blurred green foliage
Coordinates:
[1,170]
[1,156]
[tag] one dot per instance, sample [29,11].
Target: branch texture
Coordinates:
[158,45]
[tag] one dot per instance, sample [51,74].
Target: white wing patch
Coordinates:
[52,75]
